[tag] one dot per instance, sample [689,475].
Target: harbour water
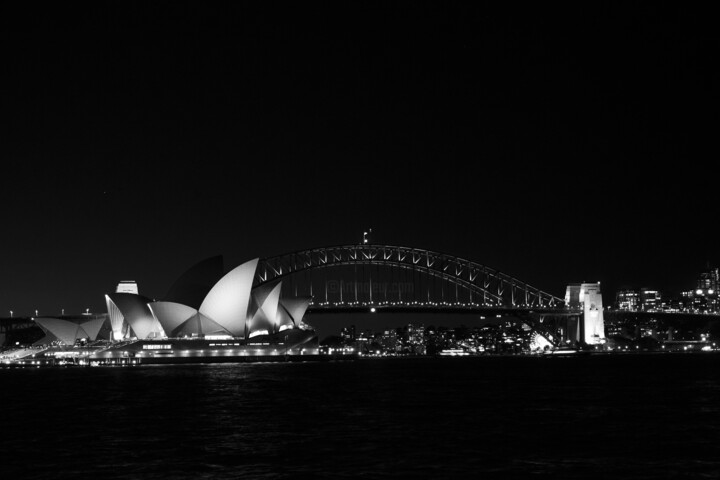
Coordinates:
[606,416]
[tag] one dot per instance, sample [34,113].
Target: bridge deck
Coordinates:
[453,309]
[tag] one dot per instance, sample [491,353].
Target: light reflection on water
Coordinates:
[624,416]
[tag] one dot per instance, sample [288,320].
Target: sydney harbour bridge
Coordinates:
[352,276]
[364,278]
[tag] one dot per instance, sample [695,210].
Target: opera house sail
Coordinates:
[68,330]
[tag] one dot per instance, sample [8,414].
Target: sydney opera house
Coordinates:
[207,315]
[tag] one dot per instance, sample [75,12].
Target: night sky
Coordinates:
[556,145]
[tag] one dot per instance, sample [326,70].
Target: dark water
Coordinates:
[653,416]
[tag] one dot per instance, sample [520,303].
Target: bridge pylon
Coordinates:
[588,297]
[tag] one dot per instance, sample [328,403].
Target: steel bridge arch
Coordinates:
[494,287]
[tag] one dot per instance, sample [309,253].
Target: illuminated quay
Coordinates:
[295,346]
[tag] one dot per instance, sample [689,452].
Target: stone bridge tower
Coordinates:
[588,297]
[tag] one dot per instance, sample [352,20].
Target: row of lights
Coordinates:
[62,312]
[451,304]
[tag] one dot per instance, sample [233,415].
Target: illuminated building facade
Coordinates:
[628,300]
[709,280]
[650,300]
[416,339]
[706,296]
[388,341]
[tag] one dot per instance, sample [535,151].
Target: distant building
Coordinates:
[628,300]
[416,334]
[709,280]
[702,300]
[650,300]
[388,341]
[674,304]
[705,297]
[127,286]
[416,339]
[348,334]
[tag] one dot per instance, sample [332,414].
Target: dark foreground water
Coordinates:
[652,416]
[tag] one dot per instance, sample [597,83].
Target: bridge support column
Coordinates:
[594,322]
[589,297]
